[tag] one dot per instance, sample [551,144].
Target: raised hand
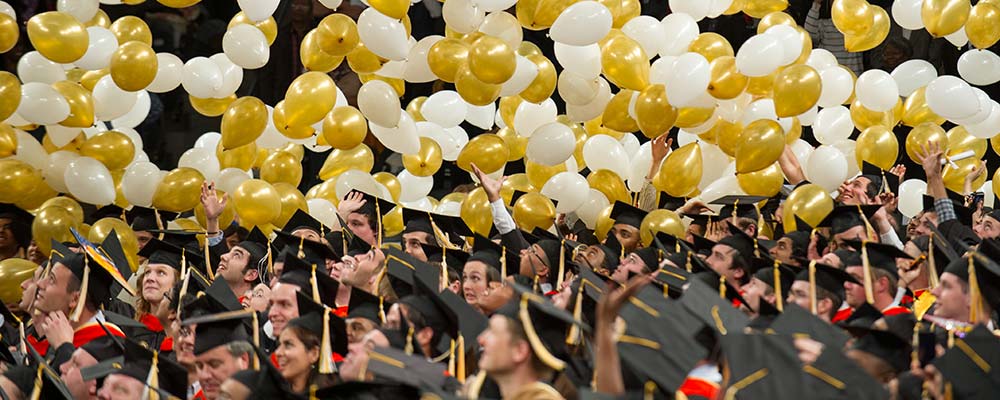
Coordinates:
[211,202]
[490,185]
[930,158]
[353,202]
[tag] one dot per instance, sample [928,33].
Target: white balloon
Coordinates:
[481,116]
[711,155]
[759,56]
[42,104]
[988,128]
[462,16]
[680,30]
[582,60]
[877,91]
[102,45]
[424,204]
[230,178]
[551,144]
[110,101]
[271,138]
[417,70]
[906,13]
[697,9]
[837,86]
[847,147]
[246,46]
[445,108]
[790,41]
[648,32]
[951,97]
[402,138]
[505,26]
[911,197]
[136,115]
[449,146]
[169,73]
[581,24]
[661,69]
[458,134]
[727,185]
[7,9]
[639,167]
[29,150]
[203,160]
[833,124]
[589,111]
[208,140]
[412,187]
[802,150]
[53,173]
[631,145]
[684,137]
[592,206]
[331,4]
[691,76]
[958,38]
[575,89]
[202,77]
[82,10]
[61,135]
[89,181]
[985,109]
[356,180]
[324,211]
[529,116]
[139,183]
[808,118]
[568,189]
[912,75]
[379,103]
[764,109]
[258,10]
[821,59]
[34,67]
[525,72]
[827,167]
[979,67]
[604,152]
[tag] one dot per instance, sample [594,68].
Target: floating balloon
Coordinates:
[179,191]
[256,202]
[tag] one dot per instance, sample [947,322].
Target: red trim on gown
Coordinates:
[341,311]
[895,310]
[81,336]
[842,315]
[699,387]
[152,323]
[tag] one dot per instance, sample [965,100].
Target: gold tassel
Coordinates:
[476,385]
[208,255]
[869,230]
[649,390]
[378,217]
[503,262]
[915,343]
[932,276]
[326,350]
[867,270]
[256,338]
[408,348]
[180,295]
[777,286]
[315,286]
[975,297]
[722,287]
[688,264]
[540,350]
[452,359]
[736,206]
[302,253]
[312,392]
[574,336]
[812,288]
[562,264]
[270,259]
[461,359]
[444,269]
[184,264]
[82,300]
[152,379]
[36,393]
[159,223]
[381,309]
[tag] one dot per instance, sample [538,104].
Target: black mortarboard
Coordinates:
[763,367]
[797,321]
[971,365]
[613,252]
[669,202]
[864,316]
[46,382]
[103,347]
[302,220]
[703,219]
[132,329]
[741,242]
[148,219]
[391,364]
[266,383]
[488,252]
[368,306]
[103,368]
[624,213]
[843,218]
[258,245]
[649,256]
[22,223]
[171,255]
[587,290]
[312,279]
[771,271]
[963,213]
[23,377]
[834,376]
[454,259]
[545,324]
[399,269]
[321,321]
[112,248]
[216,330]
[108,211]
[741,206]
[215,298]
[828,278]
[154,370]
[885,345]
[884,180]
[449,228]
[703,300]
[881,256]
[97,274]
[311,250]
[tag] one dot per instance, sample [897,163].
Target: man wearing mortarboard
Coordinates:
[878,277]
[969,289]
[951,226]
[221,348]
[731,256]
[88,355]
[820,291]
[245,264]
[144,374]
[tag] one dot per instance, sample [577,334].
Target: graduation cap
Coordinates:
[797,321]
[978,269]
[864,316]
[846,217]
[587,290]
[877,255]
[179,258]
[97,274]
[703,219]
[22,222]
[545,325]
[302,220]
[779,276]
[830,279]
[215,298]
[627,214]
[740,206]
[613,252]
[395,365]
[964,214]
[14,324]
[266,383]
[46,382]
[374,207]
[131,328]
[884,180]
[463,322]
[400,268]
[971,364]
[650,256]
[668,202]
[311,279]
[154,369]
[103,368]
[711,307]
[311,250]
[112,248]
[259,247]
[108,211]
[185,292]
[885,345]
[741,242]
[487,252]
[321,320]
[834,376]
[368,306]
[762,367]
[436,225]
[220,329]
[453,259]
[149,219]
[802,236]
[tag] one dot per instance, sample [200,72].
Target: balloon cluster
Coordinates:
[737,108]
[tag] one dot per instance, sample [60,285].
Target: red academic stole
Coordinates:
[842,315]
[167,344]
[199,396]
[340,311]
[152,323]
[81,336]
[895,310]
[699,388]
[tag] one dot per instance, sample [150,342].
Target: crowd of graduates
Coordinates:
[740,307]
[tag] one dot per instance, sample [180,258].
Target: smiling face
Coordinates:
[295,357]
[156,281]
[283,306]
[855,191]
[214,367]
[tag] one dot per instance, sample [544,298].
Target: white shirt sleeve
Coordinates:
[501,218]
[891,238]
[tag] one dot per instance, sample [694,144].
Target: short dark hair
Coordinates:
[740,263]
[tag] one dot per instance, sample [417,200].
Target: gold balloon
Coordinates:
[296,132]
[538,174]
[616,113]
[18,179]
[624,63]
[690,117]
[727,82]
[681,171]
[89,79]
[864,118]
[8,140]
[425,162]
[68,204]
[488,151]
[766,182]
[960,141]
[534,210]
[291,201]
[211,107]
[10,94]
[344,128]
[392,223]
[539,14]
[38,196]
[14,271]
[446,57]
[395,9]
[923,133]
[516,144]
[508,107]
[52,223]
[544,84]
[660,221]
[944,17]
[179,191]
[397,84]
[363,61]
[390,182]
[875,35]
[609,183]
[458,197]
[359,158]
[256,202]
[81,104]
[314,58]
[268,26]
[761,143]
[983,27]
[281,167]
[852,17]
[113,149]
[761,86]
[760,8]
[773,19]
[954,178]
[474,91]
[728,135]
[243,122]
[104,227]
[58,36]
[796,90]
[604,223]
[878,146]
[711,45]
[129,28]
[133,66]
[653,111]
[492,60]
[242,157]
[225,219]
[518,182]
[807,45]
[629,9]
[309,97]
[809,202]
[337,34]
[413,108]
[326,190]
[9,33]
[476,212]
[916,111]
[179,3]
[100,19]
